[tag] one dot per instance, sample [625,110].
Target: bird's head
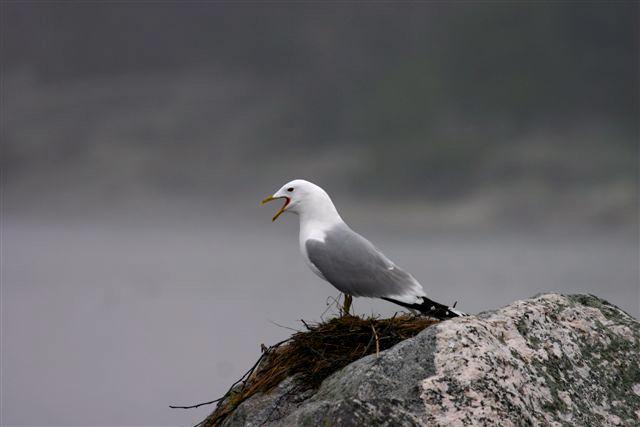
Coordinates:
[299,197]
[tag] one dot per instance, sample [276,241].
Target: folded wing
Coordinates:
[356,267]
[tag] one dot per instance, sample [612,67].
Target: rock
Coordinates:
[550,360]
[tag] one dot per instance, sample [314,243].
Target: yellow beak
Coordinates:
[286,203]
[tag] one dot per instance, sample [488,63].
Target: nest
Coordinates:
[315,353]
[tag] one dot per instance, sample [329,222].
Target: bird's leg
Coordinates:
[346,305]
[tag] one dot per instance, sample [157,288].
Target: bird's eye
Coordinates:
[290,189]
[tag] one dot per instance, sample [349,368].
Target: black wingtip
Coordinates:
[429,308]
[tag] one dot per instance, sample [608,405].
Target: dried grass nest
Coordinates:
[315,353]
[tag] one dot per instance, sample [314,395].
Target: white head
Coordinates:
[305,199]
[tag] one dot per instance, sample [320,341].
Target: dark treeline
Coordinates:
[451,94]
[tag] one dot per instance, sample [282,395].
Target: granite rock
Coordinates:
[565,360]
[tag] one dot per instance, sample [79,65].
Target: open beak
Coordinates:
[282,209]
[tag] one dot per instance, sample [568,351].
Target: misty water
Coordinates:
[110,322]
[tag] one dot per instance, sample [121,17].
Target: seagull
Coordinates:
[345,259]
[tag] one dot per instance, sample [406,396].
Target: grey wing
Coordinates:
[354,266]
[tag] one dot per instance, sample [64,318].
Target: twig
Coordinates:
[306,325]
[284,327]
[375,334]
[366,349]
[196,405]
[255,365]
[245,376]
[329,302]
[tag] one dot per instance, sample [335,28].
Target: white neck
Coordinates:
[317,217]
[325,213]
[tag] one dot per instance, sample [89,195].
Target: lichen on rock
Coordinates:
[549,360]
[552,360]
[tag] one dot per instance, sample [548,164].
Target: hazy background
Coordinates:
[489,148]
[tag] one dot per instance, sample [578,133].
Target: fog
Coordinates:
[109,324]
[489,149]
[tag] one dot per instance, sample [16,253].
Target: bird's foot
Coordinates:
[346,305]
